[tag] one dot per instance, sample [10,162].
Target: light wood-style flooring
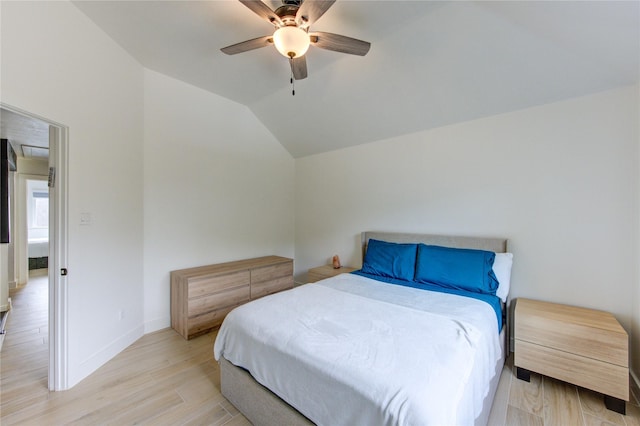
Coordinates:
[163,379]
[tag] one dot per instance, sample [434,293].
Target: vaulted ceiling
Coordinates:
[430,64]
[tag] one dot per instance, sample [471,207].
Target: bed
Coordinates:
[38,253]
[38,247]
[378,346]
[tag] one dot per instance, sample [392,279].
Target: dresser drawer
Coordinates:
[203,323]
[202,286]
[273,286]
[230,297]
[589,373]
[202,296]
[272,272]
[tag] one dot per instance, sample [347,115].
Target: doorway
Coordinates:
[40,186]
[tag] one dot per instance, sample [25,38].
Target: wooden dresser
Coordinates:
[327,271]
[586,347]
[201,297]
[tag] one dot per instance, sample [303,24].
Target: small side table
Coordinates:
[586,347]
[327,271]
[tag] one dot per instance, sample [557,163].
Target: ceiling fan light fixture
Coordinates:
[291,41]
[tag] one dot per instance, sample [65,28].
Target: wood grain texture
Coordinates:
[326,271]
[210,284]
[599,376]
[582,346]
[591,403]
[202,296]
[271,279]
[527,395]
[586,332]
[565,409]
[516,416]
[274,285]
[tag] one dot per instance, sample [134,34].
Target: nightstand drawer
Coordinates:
[589,373]
[586,347]
[580,331]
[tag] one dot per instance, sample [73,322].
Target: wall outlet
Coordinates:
[121,314]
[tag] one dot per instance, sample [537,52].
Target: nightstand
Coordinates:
[327,271]
[585,347]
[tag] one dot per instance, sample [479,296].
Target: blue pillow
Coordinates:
[463,269]
[390,260]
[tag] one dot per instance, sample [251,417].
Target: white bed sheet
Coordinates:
[354,351]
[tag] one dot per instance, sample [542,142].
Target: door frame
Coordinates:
[58,226]
[58,250]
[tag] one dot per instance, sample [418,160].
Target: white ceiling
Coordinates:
[430,64]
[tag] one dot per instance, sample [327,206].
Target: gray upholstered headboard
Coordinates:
[498,245]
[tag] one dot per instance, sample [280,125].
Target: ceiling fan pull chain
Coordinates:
[292,80]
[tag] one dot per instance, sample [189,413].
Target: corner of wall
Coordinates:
[98,359]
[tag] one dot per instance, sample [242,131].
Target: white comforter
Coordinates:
[354,351]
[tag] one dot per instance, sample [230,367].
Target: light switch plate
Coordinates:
[85,218]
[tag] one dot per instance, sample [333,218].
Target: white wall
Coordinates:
[635,324]
[33,166]
[218,187]
[57,64]
[560,181]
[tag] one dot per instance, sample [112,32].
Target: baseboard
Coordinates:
[635,386]
[98,359]
[5,308]
[157,324]
[4,315]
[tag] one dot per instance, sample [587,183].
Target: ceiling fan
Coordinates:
[292,37]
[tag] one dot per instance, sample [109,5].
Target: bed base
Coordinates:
[258,404]
[262,407]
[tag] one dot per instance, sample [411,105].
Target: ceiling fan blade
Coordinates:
[311,10]
[339,43]
[245,46]
[299,68]
[262,10]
